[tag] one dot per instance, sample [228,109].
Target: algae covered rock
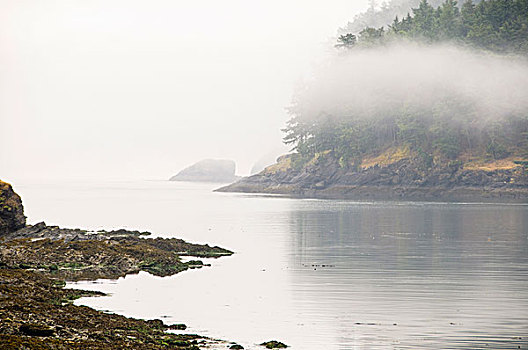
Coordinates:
[36,312]
[36,330]
[11,210]
[178,326]
[273,344]
[75,254]
[208,170]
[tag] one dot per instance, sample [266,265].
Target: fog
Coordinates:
[140,89]
[374,82]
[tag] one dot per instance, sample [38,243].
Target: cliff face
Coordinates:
[402,177]
[11,210]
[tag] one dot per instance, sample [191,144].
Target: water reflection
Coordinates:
[395,275]
[412,275]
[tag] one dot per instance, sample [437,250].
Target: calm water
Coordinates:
[315,274]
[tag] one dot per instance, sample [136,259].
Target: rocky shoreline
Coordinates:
[403,179]
[75,254]
[36,311]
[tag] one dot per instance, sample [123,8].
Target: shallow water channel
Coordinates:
[314,274]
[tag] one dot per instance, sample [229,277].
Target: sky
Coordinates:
[129,89]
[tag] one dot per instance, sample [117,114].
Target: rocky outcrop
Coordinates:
[273,344]
[407,178]
[208,170]
[76,254]
[11,210]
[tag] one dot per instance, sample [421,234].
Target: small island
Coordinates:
[208,170]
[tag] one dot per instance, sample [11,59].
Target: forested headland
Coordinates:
[445,128]
[441,90]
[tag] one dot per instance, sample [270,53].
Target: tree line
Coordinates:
[447,128]
[497,25]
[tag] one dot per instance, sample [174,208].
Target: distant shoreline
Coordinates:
[398,179]
[429,194]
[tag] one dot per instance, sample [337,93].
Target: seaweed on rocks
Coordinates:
[75,254]
[37,312]
[274,344]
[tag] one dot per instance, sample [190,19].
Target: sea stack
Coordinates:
[208,170]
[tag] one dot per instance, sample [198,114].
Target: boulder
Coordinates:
[273,344]
[178,326]
[36,330]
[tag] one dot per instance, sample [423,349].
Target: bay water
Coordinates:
[314,274]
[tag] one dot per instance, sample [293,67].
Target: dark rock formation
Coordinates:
[178,326]
[273,344]
[41,231]
[11,210]
[36,330]
[404,179]
[208,170]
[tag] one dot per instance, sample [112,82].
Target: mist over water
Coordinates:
[137,89]
[374,82]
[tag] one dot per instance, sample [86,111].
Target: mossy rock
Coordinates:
[273,344]
[178,326]
[177,342]
[11,210]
